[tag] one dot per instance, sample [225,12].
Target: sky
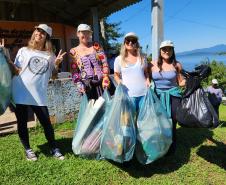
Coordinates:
[190,24]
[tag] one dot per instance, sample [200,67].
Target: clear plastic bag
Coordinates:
[82,108]
[5,83]
[91,143]
[86,140]
[154,130]
[119,136]
[86,122]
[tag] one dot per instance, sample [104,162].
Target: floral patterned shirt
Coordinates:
[89,66]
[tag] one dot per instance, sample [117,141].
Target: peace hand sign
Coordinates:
[2,44]
[59,57]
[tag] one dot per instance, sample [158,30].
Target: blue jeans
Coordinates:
[137,101]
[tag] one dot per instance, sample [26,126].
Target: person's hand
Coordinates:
[2,43]
[105,82]
[59,58]
[5,51]
[148,83]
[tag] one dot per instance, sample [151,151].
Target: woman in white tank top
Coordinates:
[130,69]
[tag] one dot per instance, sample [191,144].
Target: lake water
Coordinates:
[190,61]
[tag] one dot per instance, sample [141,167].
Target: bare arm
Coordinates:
[180,78]
[147,72]
[58,60]
[117,78]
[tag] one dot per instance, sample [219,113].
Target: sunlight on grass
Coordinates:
[200,159]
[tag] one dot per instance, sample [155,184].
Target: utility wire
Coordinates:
[202,24]
[146,6]
[178,11]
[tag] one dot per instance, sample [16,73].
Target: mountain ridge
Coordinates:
[210,50]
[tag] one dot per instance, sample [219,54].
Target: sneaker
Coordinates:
[56,153]
[30,155]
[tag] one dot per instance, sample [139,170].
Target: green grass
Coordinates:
[200,159]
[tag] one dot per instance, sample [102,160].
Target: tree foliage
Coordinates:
[218,72]
[112,34]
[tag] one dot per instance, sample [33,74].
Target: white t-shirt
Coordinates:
[132,77]
[30,86]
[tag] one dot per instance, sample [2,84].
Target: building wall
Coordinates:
[63,100]
[17,34]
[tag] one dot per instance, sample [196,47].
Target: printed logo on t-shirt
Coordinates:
[38,65]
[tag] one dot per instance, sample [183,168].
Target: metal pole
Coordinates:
[157,27]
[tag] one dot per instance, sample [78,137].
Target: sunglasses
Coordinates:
[167,49]
[41,31]
[133,41]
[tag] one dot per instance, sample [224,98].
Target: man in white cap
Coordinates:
[215,95]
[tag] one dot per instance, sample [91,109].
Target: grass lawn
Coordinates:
[200,159]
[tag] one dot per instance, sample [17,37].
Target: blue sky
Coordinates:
[190,24]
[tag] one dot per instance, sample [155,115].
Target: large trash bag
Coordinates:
[86,121]
[91,143]
[5,83]
[82,108]
[154,130]
[119,135]
[195,109]
[194,78]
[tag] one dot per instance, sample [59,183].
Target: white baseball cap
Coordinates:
[131,34]
[214,81]
[46,28]
[84,27]
[166,43]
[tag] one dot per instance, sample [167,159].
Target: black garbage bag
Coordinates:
[195,109]
[194,78]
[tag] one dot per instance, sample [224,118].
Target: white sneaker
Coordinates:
[30,155]
[56,153]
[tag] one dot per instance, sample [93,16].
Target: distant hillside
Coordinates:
[221,48]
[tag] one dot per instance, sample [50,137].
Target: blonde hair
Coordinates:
[47,45]
[123,54]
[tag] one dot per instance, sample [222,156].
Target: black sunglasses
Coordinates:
[132,40]
[41,31]
[167,49]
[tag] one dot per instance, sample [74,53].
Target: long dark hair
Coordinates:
[172,60]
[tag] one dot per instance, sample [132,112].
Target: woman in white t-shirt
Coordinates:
[36,63]
[130,69]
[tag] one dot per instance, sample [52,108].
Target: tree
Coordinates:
[218,72]
[112,34]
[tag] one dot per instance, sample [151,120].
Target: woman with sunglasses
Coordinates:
[89,64]
[130,69]
[166,75]
[36,63]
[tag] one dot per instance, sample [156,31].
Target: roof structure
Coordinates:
[70,12]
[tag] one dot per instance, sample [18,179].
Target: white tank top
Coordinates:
[132,77]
